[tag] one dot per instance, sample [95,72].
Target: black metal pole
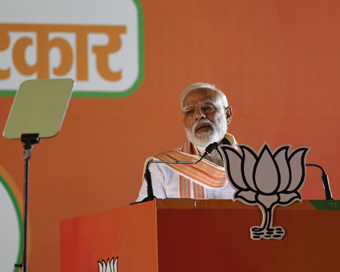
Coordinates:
[28,140]
[27,156]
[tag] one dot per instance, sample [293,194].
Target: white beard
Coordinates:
[216,134]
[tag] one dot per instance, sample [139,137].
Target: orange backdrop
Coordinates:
[278,63]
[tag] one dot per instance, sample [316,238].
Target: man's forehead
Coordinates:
[201,95]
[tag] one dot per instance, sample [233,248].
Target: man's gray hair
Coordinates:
[204,86]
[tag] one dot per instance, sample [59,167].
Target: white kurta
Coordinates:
[165,183]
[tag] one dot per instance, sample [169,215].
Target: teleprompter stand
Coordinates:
[28,140]
[37,112]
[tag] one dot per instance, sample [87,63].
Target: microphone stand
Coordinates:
[147,174]
[28,140]
[325,181]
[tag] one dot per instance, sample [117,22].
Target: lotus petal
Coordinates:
[297,166]
[103,266]
[286,199]
[100,267]
[111,265]
[115,265]
[249,160]
[266,172]
[247,197]
[232,163]
[281,158]
[106,266]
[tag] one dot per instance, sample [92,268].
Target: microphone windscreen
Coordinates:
[211,147]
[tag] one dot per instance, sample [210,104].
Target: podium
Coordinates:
[202,235]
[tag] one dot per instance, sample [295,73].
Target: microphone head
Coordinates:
[211,147]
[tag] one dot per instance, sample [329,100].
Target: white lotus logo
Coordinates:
[110,266]
[267,180]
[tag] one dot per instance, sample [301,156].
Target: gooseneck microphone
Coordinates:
[147,174]
[325,181]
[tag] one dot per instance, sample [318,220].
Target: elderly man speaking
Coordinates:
[206,116]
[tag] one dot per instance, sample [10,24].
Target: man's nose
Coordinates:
[199,113]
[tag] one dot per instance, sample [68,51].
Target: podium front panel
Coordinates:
[128,233]
[214,236]
[201,235]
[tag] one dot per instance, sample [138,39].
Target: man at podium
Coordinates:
[206,116]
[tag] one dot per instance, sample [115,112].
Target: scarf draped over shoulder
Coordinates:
[205,173]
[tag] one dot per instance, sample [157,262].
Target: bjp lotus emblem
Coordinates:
[266,179]
[110,266]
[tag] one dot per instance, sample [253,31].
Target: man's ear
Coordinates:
[229,114]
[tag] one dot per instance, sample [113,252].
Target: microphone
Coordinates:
[147,174]
[325,181]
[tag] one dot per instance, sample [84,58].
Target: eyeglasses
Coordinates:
[205,108]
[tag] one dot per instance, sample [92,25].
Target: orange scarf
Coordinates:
[205,174]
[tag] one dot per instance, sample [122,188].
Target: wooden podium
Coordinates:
[203,235]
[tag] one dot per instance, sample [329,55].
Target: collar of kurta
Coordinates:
[205,173]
